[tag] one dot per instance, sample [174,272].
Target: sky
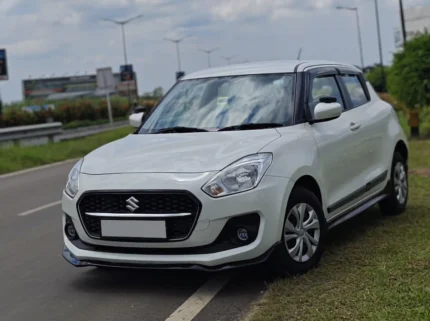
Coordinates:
[55,37]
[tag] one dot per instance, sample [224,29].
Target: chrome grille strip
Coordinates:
[137,215]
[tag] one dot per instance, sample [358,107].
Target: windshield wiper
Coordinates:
[180,129]
[251,126]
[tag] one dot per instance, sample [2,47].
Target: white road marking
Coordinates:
[40,208]
[190,308]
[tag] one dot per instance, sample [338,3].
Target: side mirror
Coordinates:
[136,119]
[327,111]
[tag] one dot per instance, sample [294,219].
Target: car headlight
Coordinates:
[243,175]
[72,186]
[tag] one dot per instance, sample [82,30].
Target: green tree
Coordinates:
[409,78]
[158,92]
[375,77]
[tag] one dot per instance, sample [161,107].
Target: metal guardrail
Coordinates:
[89,130]
[52,132]
[30,135]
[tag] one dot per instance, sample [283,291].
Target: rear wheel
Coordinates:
[397,200]
[303,235]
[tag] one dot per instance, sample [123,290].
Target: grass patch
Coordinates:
[374,267]
[15,158]
[84,123]
[424,122]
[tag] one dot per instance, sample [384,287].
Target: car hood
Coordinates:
[176,153]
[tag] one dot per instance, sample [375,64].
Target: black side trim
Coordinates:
[358,210]
[322,120]
[354,195]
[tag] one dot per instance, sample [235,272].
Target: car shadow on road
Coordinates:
[138,280]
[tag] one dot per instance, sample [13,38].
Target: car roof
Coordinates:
[265,67]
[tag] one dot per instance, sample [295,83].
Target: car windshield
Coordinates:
[223,103]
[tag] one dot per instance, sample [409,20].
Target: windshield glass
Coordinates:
[215,103]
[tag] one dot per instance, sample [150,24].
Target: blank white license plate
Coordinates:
[141,229]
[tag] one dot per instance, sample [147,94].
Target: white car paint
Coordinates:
[338,156]
[176,153]
[136,119]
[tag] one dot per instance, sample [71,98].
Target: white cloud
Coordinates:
[6,5]
[29,48]
[59,36]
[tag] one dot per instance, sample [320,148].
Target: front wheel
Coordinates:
[397,200]
[303,235]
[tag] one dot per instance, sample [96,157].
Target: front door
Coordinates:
[337,145]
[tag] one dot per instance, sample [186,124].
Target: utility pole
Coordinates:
[360,43]
[402,19]
[380,46]
[177,42]
[122,23]
[228,59]
[208,52]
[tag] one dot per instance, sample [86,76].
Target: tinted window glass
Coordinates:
[324,86]
[355,90]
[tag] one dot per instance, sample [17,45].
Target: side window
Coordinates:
[324,86]
[355,90]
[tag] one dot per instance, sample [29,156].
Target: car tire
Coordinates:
[287,259]
[398,188]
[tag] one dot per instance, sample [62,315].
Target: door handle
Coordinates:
[354,126]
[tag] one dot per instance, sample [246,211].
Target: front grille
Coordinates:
[177,228]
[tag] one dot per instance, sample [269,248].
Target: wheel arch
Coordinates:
[310,183]
[402,148]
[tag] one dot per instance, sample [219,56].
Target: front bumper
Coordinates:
[269,201]
[70,257]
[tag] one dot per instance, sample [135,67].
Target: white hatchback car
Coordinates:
[237,165]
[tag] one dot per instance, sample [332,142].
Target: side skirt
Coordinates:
[357,211]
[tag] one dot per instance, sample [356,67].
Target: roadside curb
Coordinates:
[35,169]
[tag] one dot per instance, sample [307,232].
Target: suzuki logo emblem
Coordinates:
[132,204]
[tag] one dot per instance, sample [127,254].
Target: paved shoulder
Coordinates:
[26,191]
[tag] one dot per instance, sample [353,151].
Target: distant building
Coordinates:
[417,22]
[74,87]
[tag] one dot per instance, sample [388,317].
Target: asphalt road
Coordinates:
[37,284]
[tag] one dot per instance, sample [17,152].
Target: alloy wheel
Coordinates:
[302,232]
[400,183]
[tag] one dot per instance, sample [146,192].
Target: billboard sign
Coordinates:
[417,22]
[126,72]
[85,84]
[3,65]
[105,79]
[179,75]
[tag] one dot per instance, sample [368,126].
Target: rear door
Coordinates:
[369,124]
[337,143]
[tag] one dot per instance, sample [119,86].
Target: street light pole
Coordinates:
[122,23]
[380,45]
[402,18]
[228,59]
[360,43]
[123,44]
[208,52]
[177,42]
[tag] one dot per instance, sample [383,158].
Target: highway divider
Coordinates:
[34,135]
